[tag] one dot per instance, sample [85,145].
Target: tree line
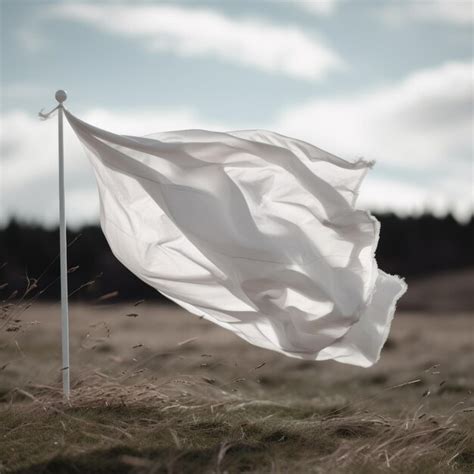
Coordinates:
[413,247]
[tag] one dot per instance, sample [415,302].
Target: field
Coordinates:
[156,390]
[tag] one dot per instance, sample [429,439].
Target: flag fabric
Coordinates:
[254,231]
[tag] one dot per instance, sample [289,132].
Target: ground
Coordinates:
[157,390]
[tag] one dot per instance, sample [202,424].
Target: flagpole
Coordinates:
[61,96]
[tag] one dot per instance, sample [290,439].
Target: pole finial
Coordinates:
[60,96]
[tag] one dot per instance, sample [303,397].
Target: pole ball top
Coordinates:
[60,96]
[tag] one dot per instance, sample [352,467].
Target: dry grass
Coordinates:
[189,426]
[163,392]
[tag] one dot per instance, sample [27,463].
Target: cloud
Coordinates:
[448,192]
[419,130]
[198,32]
[456,12]
[423,120]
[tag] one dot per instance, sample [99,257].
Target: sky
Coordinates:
[390,81]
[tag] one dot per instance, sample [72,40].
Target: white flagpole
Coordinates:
[61,96]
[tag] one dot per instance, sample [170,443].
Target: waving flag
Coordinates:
[252,230]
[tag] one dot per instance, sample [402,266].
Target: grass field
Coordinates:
[156,390]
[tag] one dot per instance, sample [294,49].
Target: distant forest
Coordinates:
[411,247]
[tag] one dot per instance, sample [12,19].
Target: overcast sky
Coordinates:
[390,81]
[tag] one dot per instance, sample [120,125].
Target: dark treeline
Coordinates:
[412,247]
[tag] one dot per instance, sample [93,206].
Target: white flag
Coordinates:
[252,230]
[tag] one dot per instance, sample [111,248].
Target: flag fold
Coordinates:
[254,231]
